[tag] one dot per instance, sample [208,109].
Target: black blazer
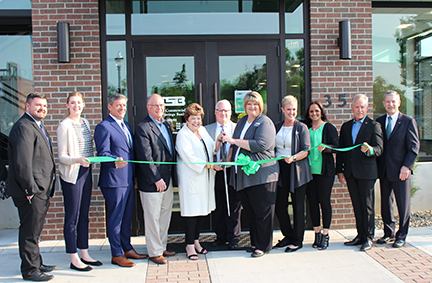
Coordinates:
[354,162]
[31,161]
[300,171]
[150,145]
[401,149]
[330,138]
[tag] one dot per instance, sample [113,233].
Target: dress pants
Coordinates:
[259,204]
[227,228]
[120,203]
[32,217]
[318,193]
[401,190]
[193,228]
[76,198]
[157,207]
[363,200]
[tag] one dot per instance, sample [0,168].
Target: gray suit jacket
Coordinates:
[31,161]
[261,135]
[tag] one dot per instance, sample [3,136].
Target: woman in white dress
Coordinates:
[196,180]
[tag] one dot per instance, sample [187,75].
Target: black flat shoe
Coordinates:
[385,240]
[354,242]
[258,253]
[87,268]
[282,243]
[233,246]
[367,245]
[94,263]
[291,250]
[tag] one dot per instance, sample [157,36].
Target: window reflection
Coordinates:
[402,58]
[295,63]
[16,82]
[115,17]
[205,17]
[293,16]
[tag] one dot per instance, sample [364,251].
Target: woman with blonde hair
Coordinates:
[254,136]
[75,145]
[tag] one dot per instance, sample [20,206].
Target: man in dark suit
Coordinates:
[401,147]
[227,228]
[113,138]
[358,168]
[154,142]
[31,183]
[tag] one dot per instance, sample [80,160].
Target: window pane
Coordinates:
[15,4]
[295,84]
[205,17]
[293,16]
[16,82]
[115,17]
[402,58]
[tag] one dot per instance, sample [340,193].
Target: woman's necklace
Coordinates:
[317,126]
[285,136]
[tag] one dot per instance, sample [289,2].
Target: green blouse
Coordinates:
[315,156]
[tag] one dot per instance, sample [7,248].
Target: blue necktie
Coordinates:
[44,132]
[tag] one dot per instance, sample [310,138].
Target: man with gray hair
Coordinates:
[226,225]
[401,147]
[113,138]
[358,168]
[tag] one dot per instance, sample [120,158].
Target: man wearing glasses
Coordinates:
[226,226]
[154,142]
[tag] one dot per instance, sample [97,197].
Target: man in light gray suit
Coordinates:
[227,228]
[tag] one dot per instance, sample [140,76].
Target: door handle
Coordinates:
[215,93]
[200,93]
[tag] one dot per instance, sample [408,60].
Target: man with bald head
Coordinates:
[154,142]
[227,227]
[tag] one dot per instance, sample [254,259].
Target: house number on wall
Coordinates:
[341,99]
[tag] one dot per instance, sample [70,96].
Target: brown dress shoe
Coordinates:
[158,259]
[122,261]
[168,253]
[133,254]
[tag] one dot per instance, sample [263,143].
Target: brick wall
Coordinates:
[332,76]
[57,80]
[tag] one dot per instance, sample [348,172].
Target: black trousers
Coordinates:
[401,190]
[76,198]
[32,217]
[363,200]
[259,204]
[193,228]
[227,228]
[319,196]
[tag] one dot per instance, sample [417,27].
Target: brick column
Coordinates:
[334,77]
[58,80]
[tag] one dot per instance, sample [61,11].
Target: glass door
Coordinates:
[203,72]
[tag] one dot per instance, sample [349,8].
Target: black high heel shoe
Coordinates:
[318,239]
[324,242]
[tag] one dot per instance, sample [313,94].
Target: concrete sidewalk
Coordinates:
[338,263]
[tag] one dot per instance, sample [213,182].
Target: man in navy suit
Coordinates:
[113,138]
[154,142]
[31,183]
[358,168]
[401,147]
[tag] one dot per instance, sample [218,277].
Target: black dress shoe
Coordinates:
[218,243]
[39,276]
[367,245]
[94,263]
[87,268]
[47,268]
[354,242]
[398,244]
[233,246]
[385,240]
[282,243]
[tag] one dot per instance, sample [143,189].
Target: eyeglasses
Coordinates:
[223,111]
[157,105]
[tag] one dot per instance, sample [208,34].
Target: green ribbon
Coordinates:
[247,164]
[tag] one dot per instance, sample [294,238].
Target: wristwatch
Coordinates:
[294,158]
